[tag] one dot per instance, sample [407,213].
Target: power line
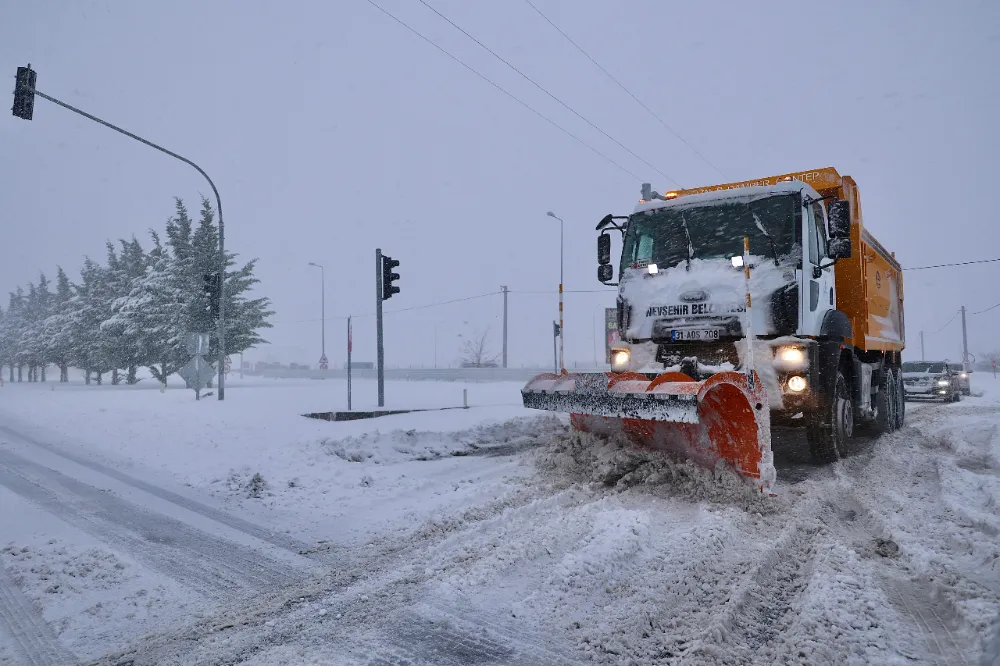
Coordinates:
[388,312]
[959,263]
[504,91]
[546,91]
[946,325]
[992,307]
[566,291]
[620,85]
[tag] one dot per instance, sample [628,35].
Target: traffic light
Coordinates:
[24,93]
[212,291]
[388,288]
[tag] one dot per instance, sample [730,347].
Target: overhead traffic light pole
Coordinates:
[24,106]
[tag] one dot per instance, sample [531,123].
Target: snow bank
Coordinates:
[396,446]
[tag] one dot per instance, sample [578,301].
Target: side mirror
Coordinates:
[605,272]
[604,249]
[840,219]
[839,248]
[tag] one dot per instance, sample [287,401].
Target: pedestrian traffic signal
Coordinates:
[212,290]
[24,93]
[388,288]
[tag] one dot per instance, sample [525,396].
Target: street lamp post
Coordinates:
[322,295]
[562,332]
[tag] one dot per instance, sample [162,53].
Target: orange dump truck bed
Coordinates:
[870,282]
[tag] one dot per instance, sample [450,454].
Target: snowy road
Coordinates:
[544,548]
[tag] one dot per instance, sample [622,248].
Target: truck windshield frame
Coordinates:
[717,230]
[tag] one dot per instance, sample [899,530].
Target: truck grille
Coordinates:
[708,353]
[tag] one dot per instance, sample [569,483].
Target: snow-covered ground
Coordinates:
[134,530]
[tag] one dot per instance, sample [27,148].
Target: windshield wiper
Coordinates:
[690,248]
[760,225]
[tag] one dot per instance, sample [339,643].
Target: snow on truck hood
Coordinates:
[712,288]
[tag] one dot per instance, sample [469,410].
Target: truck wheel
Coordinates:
[830,429]
[900,400]
[886,405]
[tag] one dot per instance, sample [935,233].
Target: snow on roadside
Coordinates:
[95,599]
[258,455]
[398,445]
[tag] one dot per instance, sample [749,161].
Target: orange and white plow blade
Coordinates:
[724,418]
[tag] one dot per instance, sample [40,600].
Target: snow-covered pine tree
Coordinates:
[124,347]
[12,333]
[58,325]
[245,316]
[90,345]
[154,311]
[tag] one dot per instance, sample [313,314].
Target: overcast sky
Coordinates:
[331,130]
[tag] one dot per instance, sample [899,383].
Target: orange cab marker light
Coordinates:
[670,195]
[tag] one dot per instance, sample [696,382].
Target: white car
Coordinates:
[932,380]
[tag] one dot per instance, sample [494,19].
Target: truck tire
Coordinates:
[830,429]
[886,405]
[900,400]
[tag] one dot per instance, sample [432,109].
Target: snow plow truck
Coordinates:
[740,306]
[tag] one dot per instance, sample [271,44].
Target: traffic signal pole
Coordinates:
[24,93]
[379,351]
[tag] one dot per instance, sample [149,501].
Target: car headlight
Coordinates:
[792,355]
[964,376]
[619,360]
[943,382]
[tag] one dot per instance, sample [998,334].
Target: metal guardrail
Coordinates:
[416,374]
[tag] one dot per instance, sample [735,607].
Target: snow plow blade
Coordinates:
[724,418]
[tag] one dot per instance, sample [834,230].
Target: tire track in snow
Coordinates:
[761,604]
[211,565]
[370,599]
[939,625]
[282,541]
[33,637]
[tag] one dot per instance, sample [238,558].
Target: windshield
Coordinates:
[923,367]
[716,230]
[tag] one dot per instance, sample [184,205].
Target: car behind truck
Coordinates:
[822,298]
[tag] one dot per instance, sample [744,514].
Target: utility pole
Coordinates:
[504,289]
[24,105]
[349,346]
[922,357]
[322,297]
[965,344]
[562,359]
[380,354]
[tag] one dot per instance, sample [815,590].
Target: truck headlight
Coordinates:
[791,355]
[797,384]
[619,360]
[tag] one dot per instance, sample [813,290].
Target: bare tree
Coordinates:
[476,352]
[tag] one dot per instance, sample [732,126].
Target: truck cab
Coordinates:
[825,297]
[682,298]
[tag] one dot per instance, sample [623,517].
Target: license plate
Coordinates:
[696,334]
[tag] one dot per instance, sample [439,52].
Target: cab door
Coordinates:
[818,291]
